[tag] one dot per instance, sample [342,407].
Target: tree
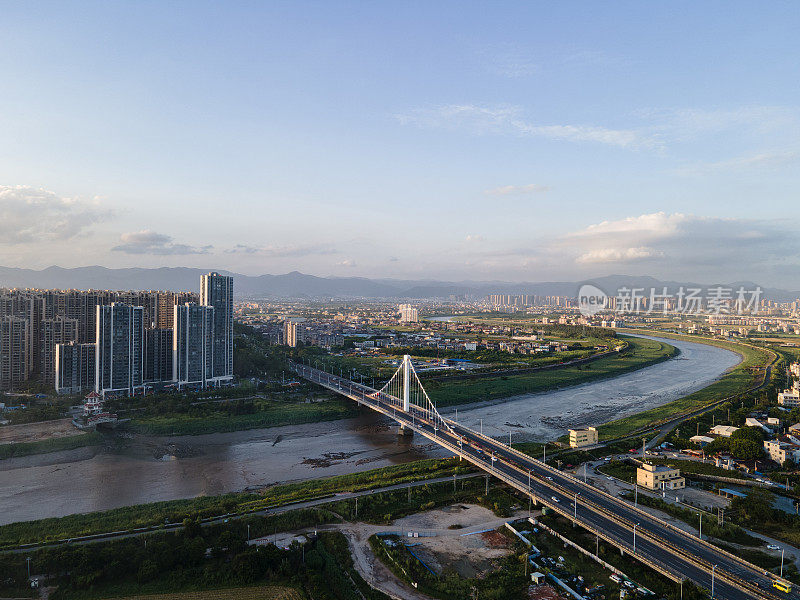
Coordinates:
[755,434]
[746,449]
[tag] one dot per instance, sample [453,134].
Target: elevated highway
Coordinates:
[664,547]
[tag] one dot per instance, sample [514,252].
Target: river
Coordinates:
[149,469]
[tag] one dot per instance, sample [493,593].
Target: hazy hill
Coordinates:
[300,285]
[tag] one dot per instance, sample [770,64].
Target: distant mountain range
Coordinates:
[300,285]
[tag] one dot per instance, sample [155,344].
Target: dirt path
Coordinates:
[34,432]
[374,572]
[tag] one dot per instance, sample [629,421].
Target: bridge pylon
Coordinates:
[406,382]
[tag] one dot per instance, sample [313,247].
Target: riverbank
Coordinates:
[641,353]
[156,514]
[745,376]
[537,417]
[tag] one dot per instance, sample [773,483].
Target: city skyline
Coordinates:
[279,140]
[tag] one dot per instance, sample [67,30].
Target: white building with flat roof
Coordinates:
[723,430]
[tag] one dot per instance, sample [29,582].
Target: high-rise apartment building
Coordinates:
[290,333]
[14,351]
[158,355]
[51,333]
[193,345]
[166,306]
[74,368]
[408,313]
[217,290]
[119,366]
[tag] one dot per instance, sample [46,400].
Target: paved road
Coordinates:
[633,530]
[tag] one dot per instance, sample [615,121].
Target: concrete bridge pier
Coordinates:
[405,431]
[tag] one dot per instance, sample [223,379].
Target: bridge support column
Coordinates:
[405,431]
[406,383]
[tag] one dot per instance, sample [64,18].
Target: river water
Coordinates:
[149,469]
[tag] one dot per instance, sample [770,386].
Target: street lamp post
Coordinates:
[575,510]
[634,537]
[782,551]
[700,534]
[714,568]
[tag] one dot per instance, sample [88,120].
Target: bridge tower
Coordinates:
[406,393]
[406,383]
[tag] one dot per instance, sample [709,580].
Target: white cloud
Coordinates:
[507,190]
[607,255]
[150,242]
[276,251]
[659,223]
[36,215]
[471,237]
[348,262]
[509,120]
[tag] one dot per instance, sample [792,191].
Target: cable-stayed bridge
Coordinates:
[673,552]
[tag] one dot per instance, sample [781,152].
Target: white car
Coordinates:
[549,478]
[554,499]
[773,547]
[609,477]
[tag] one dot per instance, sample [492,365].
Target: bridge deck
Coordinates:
[671,551]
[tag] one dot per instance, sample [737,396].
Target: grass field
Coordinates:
[276,414]
[267,592]
[741,378]
[51,445]
[642,353]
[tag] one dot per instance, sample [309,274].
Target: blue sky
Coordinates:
[453,140]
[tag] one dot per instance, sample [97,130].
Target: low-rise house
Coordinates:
[701,440]
[790,398]
[722,430]
[782,449]
[660,477]
[583,437]
[753,422]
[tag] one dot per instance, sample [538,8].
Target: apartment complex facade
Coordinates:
[46,335]
[216,291]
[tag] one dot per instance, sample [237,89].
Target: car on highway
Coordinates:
[549,478]
[773,547]
[609,477]
[554,499]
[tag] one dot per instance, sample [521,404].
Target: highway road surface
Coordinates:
[664,547]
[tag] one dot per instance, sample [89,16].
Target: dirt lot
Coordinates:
[34,432]
[461,537]
[467,548]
